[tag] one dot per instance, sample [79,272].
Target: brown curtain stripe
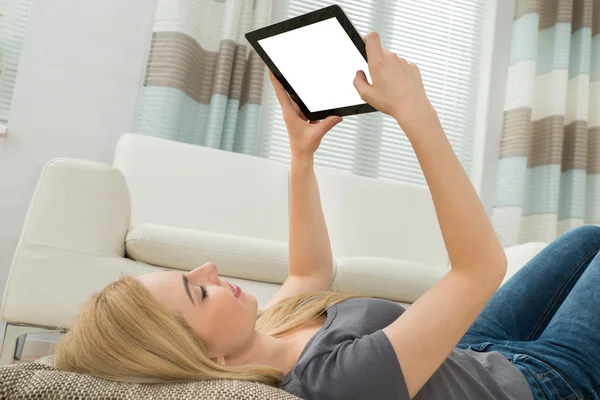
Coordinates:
[526,7]
[575,146]
[253,85]
[517,130]
[582,14]
[239,64]
[176,60]
[593,159]
[554,11]
[225,57]
[547,141]
[596,18]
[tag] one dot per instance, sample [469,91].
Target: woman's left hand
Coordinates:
[305,136]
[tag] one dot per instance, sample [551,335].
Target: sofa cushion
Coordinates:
[398,280]
[41,380]
[369,217]
[519,255]
[185,249]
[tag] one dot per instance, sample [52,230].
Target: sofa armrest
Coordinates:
[80,206]
[79,211]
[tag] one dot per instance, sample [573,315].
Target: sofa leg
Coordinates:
[20,346]
[14,341]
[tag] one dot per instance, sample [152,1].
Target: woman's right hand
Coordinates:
[397,88]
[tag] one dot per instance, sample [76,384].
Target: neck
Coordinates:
[279,353]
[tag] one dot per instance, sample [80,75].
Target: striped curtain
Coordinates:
[203,84]
[549,169]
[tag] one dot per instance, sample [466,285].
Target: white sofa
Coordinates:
[172,205]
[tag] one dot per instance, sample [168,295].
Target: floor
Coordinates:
[34,349]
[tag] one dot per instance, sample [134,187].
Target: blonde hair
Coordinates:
[124,334]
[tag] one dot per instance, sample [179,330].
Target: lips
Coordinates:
[237,292]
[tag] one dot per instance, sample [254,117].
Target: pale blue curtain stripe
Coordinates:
[524,38]
[543,186]
[553,48]
[229,125]
[592,211]
[164,103]
[580,55]
[216,120]
[175,115]
[194,118]
[510,183]
[248,121]
[572,194]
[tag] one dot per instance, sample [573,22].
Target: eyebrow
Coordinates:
[186,286]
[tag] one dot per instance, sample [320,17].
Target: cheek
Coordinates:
[232,323]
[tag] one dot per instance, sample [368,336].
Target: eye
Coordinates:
[203,288]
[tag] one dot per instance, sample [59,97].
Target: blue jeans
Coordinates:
[546,319]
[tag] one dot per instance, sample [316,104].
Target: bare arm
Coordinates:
[310,258]
[310,248]
[426,333]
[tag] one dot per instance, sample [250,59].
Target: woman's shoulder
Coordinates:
[369,307]
[356,317]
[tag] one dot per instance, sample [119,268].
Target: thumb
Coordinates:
[327,124]
[362,85]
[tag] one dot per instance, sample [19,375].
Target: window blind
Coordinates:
[13,25]
[444,38]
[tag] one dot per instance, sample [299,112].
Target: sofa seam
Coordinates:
[73,251]
[202,249]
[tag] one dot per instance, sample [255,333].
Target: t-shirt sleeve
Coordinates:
[364,368]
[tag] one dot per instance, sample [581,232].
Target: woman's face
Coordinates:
[221,313]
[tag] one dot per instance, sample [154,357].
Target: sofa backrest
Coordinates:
[369,217]
[186,186]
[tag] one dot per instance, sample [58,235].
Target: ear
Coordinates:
[219,360]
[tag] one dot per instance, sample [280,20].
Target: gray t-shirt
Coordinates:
[351,358]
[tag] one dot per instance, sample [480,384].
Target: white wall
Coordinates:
[80,73]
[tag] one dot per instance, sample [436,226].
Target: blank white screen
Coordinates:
[320,62]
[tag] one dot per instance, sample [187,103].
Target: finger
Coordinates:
[282,96]
[362,85]
[374,48]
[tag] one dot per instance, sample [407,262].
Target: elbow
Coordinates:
[490,271]
[497,270]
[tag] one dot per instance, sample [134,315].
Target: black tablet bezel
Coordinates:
[298,22]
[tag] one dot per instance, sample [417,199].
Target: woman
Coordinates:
[535,338]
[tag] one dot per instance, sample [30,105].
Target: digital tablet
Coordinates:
[315,56]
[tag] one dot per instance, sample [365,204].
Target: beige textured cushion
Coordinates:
[42,381]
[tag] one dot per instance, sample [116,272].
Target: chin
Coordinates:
[252,300]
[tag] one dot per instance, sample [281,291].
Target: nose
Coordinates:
[208,271]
